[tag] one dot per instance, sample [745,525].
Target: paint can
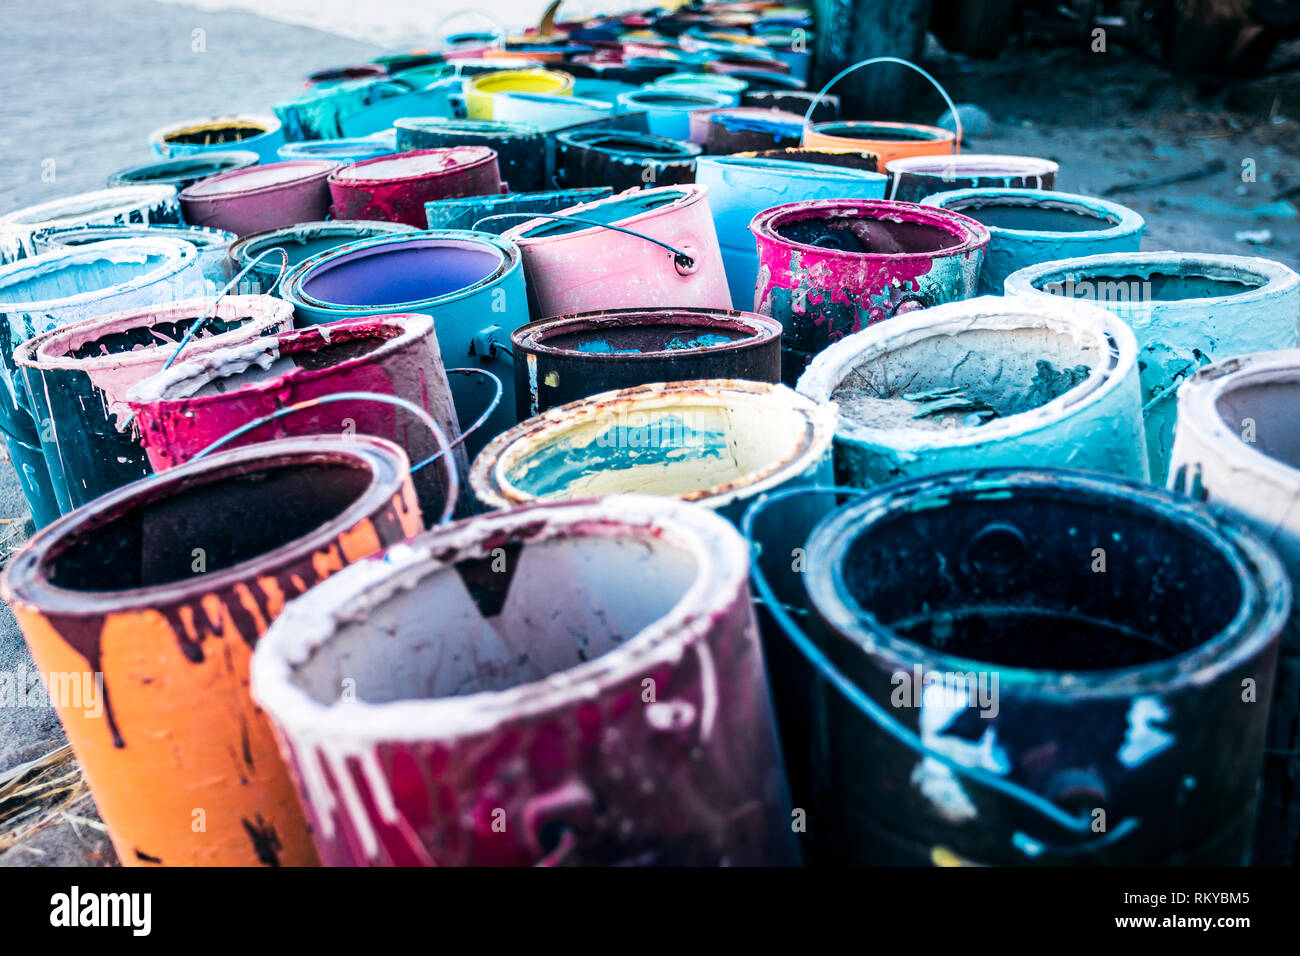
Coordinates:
[830,267]
[1235,450]
[113,589]
[343,74]
[889,141]
[481,90]
[259,134]
[550,730]
[76,378]
[470,282]
[561,360]
[183,171]
[757,81]
[518,145]
[300,242]
[669,111]
[395,188]
[182,410]
[1031,226]
[941,728]
[133,205]
[548,111]
[662,250]
[351,149]
[717,442]
[1186,309]
[984,383]
[213,245]
[470,211]
[915,177]
[737,130]
[844,158]
[777,123]
[709,82]
[825,109]
[622,159]
[363,108]
[740,187]
[261,197]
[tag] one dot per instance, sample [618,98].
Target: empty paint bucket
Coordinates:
[717,442]
[259,134]
[261,197]
[471,283]
[742,187]
[135,205]
[564,359]
[889,141]
[156,594]
[915,177]
[548,110]
[344,150]
[1027,227]
[984,383]
[213,245]
[481,90]
[669,111]
[395,188]
[182,171]
[471,212]
[622,718]
[76,378]
[1187,310]
[828,267]
[1235,448]
[670,258]
[622,160]
[520,147]
[1018,668]
[300,242]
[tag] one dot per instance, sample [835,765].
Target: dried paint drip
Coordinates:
[529,707]
[164,587]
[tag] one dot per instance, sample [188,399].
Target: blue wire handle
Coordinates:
[679,257]
[878,715]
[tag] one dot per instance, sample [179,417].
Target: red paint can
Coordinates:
[395,188]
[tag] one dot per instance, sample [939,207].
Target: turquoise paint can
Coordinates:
[1031,226]
[259,134]
[548,111]
[741,187]
[668,112]
[707,82]
[467,212]
[521,148]
[22,229]
[608,91]
[213,245]
[984,383]
[1186,309]
[343,150]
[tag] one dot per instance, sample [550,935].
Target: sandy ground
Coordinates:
[86,83]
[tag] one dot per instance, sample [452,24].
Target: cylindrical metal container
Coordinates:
[395,188]
[343,74]
[1038,668]
[561,360]
[548,110]
[738,130]
[984,383]
[28,462]
[1186,309]
[829,267]
[520,147]
[889,141]
[717,442]
[700,125]
[181,172]
[622,718]
[76,378]
[846,158]
[213,245]
[344,150]
[155,595]
[475,212]
[135,205]
[740,187]
[1235,448]
[913,178]
[669,111]
[259,134]
[471,283]
[622,160]
[824,108]
[709,82]
[481,90]
[1031,226]
[300,242]
[260,197]
[576,267]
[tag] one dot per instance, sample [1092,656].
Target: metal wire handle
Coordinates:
[679,258]
[451,489]
[878,715]
[198,323]
[478,422]
[952,107]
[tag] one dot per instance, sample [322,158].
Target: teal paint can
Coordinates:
[467,212]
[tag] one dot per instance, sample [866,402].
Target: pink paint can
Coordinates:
[395,188]
[258,198]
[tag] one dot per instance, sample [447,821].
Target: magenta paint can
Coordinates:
[395,188]
[667,254]
[259,198]
[448,704]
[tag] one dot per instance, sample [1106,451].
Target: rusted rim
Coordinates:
[759,331]
[482,155]
[25,580]
[973,234]
[320,169]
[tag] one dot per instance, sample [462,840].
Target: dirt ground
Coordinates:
[87,83]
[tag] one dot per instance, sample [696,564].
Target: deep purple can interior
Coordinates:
[396,272]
